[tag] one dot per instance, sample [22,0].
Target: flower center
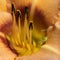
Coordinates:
[24,39]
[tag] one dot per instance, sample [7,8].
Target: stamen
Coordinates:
[14,27]
[26,32]
[30,34]
[19,26]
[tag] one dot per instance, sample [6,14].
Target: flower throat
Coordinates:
[23,40]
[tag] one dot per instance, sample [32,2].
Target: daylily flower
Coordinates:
[43,15]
